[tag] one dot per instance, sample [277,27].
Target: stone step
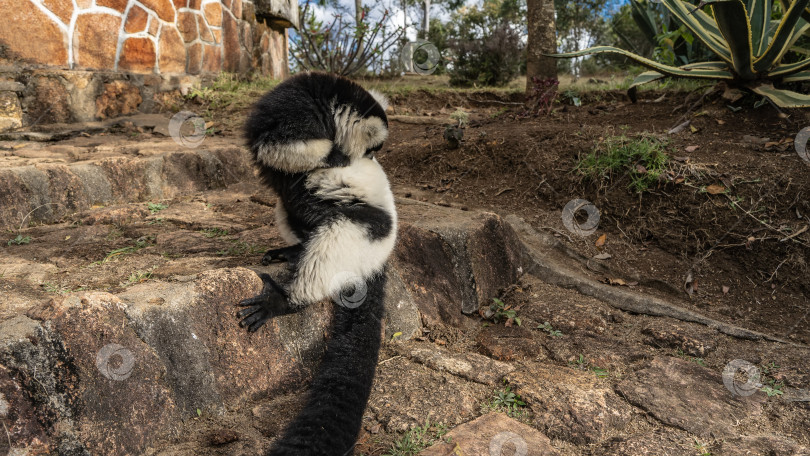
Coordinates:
[111,372]
[44,183]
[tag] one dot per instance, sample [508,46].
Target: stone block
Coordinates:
[118,98]
[213,13]
[22,20]
[172,58]
[10,111]
[137,55]
[137,19]
[95,40]
[163,8]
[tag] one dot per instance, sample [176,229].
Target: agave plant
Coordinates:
[750,47]
[664,31]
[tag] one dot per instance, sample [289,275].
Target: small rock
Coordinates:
[507,344]
[692,341]
[10,111]
[493,434]
[471,366]
[11,86]
[222,436]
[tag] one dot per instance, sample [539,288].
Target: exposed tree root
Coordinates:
[550,261]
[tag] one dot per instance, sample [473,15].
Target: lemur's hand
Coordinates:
[289,254]
[270,303]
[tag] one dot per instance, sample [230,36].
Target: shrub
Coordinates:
[492,60]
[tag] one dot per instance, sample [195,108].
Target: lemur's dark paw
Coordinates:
[270,303]
[289,254]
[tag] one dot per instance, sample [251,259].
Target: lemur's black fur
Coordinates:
[314,137]
[333,412]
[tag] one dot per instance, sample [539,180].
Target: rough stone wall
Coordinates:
[81,60]
[144,36]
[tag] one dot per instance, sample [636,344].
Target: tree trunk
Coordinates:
[542,40]
[404,17]
[425,19]
[358,11]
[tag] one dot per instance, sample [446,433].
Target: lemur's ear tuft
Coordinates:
[382,100]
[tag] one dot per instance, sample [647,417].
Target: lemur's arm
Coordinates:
[295,129]
[347,251]
[350,246]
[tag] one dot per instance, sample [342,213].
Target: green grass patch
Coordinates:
[501,311]
[582,364]
[699,361]
[507,401]
[20,240]
[241,248]
[643,160]
[127,250]
[229,90]
[214,232]
[138,277]
[546,326]
[156,207]
[51,287]
[417,439]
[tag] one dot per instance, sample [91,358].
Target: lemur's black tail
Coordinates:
[333,411]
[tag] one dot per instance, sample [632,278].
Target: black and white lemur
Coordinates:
[314,137]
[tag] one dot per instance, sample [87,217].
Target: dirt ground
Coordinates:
[724,233]
[510,164]
[724,230]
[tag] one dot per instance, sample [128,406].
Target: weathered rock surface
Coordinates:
[762,444]
[571,404]
[49,191]
[663,442]
[399,401]
[441,251]
[691,397]
[172,342]
[11,115]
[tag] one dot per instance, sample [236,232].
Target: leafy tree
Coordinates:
[485,43]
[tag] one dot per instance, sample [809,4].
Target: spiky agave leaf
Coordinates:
[749,44]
